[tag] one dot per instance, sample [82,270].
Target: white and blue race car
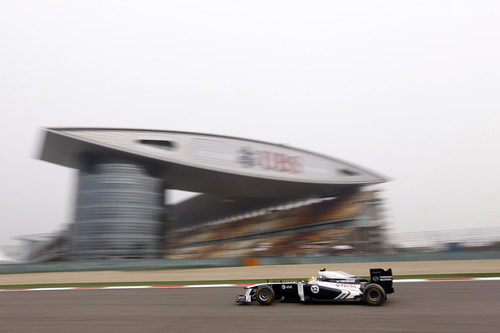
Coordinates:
[329,286]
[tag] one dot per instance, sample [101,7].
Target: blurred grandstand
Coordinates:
[312,227]
[315,227]
[257,199]
[45,247]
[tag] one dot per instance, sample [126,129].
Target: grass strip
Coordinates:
[446,276]
[170,283]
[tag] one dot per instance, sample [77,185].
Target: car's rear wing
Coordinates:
[383,278]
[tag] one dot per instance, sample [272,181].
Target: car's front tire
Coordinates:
[264,295]
[374,294]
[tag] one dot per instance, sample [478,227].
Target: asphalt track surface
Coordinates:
[471,306]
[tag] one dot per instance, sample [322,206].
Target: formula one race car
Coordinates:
[329,286]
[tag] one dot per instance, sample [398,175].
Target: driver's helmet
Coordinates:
[321,272]
[311,278]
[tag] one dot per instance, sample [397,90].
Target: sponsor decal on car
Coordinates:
[349,286]
[240,298]
[314,289]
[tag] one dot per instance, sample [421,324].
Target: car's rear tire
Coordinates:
[374,294]
[264,295]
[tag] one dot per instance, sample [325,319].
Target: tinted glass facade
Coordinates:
[119,213]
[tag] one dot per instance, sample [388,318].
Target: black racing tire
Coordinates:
[374,294]
[264,295]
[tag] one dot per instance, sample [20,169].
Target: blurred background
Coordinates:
[408,89]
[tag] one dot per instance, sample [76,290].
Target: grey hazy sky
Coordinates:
[409,89]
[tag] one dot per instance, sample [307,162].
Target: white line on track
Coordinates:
[128,287]
[47,289]
[231,285]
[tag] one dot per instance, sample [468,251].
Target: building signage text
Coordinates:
[268,160]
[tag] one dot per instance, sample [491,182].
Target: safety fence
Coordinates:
[231,262]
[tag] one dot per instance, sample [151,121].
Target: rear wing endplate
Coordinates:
[383,278]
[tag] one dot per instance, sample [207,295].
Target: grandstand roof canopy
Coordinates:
[205,163]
